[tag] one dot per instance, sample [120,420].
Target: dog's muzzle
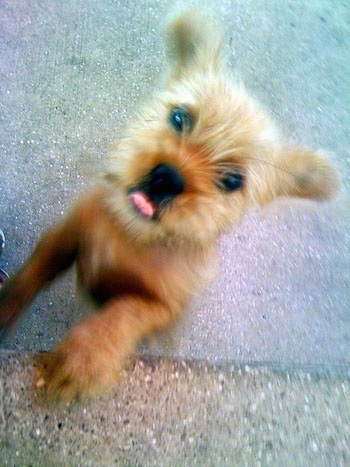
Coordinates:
[160,187]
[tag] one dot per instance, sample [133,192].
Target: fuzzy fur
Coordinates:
[143,271]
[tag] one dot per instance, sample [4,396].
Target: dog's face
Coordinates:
[203,151]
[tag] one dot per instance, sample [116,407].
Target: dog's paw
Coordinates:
[82,366]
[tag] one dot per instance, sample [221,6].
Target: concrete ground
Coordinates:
[180,413]
[73,71]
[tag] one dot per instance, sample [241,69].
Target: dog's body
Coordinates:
[143,240]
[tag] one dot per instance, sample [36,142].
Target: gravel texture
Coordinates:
[176,413]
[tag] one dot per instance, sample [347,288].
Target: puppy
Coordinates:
[201,152]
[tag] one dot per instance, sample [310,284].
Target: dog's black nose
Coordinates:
[165,183]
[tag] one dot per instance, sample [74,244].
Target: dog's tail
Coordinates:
[193,42]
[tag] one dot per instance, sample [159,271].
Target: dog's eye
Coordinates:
[180,120]
[232,181]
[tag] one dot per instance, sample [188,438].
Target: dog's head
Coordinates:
[203,151]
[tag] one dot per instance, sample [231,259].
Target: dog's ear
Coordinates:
[308,174]
[193,44]
[302,173]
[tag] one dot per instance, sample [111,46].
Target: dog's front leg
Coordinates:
[55,252]
[91,357]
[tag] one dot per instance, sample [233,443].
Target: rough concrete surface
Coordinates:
[179,413]
[71,73]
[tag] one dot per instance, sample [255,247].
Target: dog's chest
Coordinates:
[110,265]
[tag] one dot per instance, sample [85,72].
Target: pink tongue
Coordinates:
[143,203]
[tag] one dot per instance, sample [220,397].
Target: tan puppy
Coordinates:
[198,156]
